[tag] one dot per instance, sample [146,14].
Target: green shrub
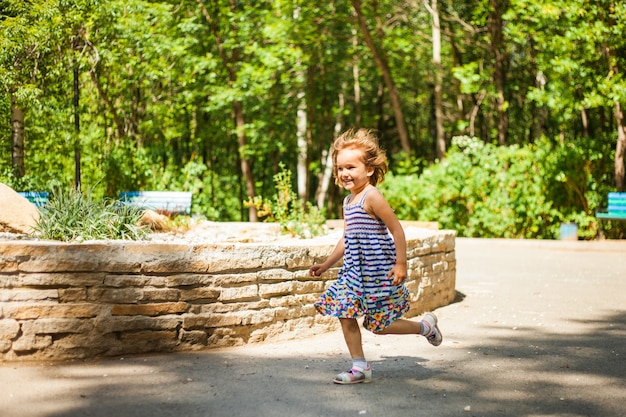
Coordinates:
[579,174]
[295,216]
[72,216]
[484,190]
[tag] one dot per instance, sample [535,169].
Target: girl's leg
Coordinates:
[427,327]
[352,336]
[402,326]
[360,371]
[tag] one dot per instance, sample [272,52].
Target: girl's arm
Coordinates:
[376,205]
[337,253]
[333,258]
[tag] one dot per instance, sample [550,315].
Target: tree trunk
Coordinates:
[358,113]
[17,135]
[440,140]
[620,147]
[120,131]
[246,171]
[326,176]
[302,144]
[474,113]
[327,157]
[584,120]
[539,112]
[301,126]
[77,179]
[495,28]
[381,62]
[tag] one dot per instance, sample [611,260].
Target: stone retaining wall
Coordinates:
[63,301]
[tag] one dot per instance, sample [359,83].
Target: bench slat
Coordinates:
[172,202]
[616,209]
[611,216]
[38,198]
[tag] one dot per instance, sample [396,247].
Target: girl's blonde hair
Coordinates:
[373,156]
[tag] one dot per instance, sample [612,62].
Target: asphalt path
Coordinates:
[538,329]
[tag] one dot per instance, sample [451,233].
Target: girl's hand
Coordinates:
[317,270]
[398,272]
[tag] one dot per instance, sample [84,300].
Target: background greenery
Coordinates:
[211,97]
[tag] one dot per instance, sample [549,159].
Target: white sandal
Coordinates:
[354,376]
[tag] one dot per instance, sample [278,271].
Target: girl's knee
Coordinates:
[350,324]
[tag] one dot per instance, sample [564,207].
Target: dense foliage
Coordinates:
[483,190]
[211,97]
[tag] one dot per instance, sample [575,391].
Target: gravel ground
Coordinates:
[209,232]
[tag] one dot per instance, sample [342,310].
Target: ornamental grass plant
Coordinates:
[71,216]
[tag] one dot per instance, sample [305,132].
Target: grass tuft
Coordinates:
[70,216]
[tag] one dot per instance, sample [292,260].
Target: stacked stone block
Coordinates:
[63,301]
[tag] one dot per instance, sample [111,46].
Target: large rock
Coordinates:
[17,214]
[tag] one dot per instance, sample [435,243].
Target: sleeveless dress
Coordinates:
[362,287]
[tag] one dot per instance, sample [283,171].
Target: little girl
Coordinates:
[373,247]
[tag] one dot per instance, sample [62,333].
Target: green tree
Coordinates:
[28,64]
[576,47]
[212,97]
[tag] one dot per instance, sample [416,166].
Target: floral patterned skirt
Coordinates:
[377,300]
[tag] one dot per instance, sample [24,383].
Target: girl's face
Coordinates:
[352,172]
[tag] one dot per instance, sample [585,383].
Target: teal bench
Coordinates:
[616,209]
[164,202]
[38,198]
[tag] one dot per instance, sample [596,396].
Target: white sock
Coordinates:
[359,363]
[425,328]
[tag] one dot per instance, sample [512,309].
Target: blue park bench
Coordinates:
[165,202]
[38,198]
[616,209]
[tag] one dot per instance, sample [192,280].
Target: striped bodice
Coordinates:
[369,247]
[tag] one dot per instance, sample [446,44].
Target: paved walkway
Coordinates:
[539,330]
